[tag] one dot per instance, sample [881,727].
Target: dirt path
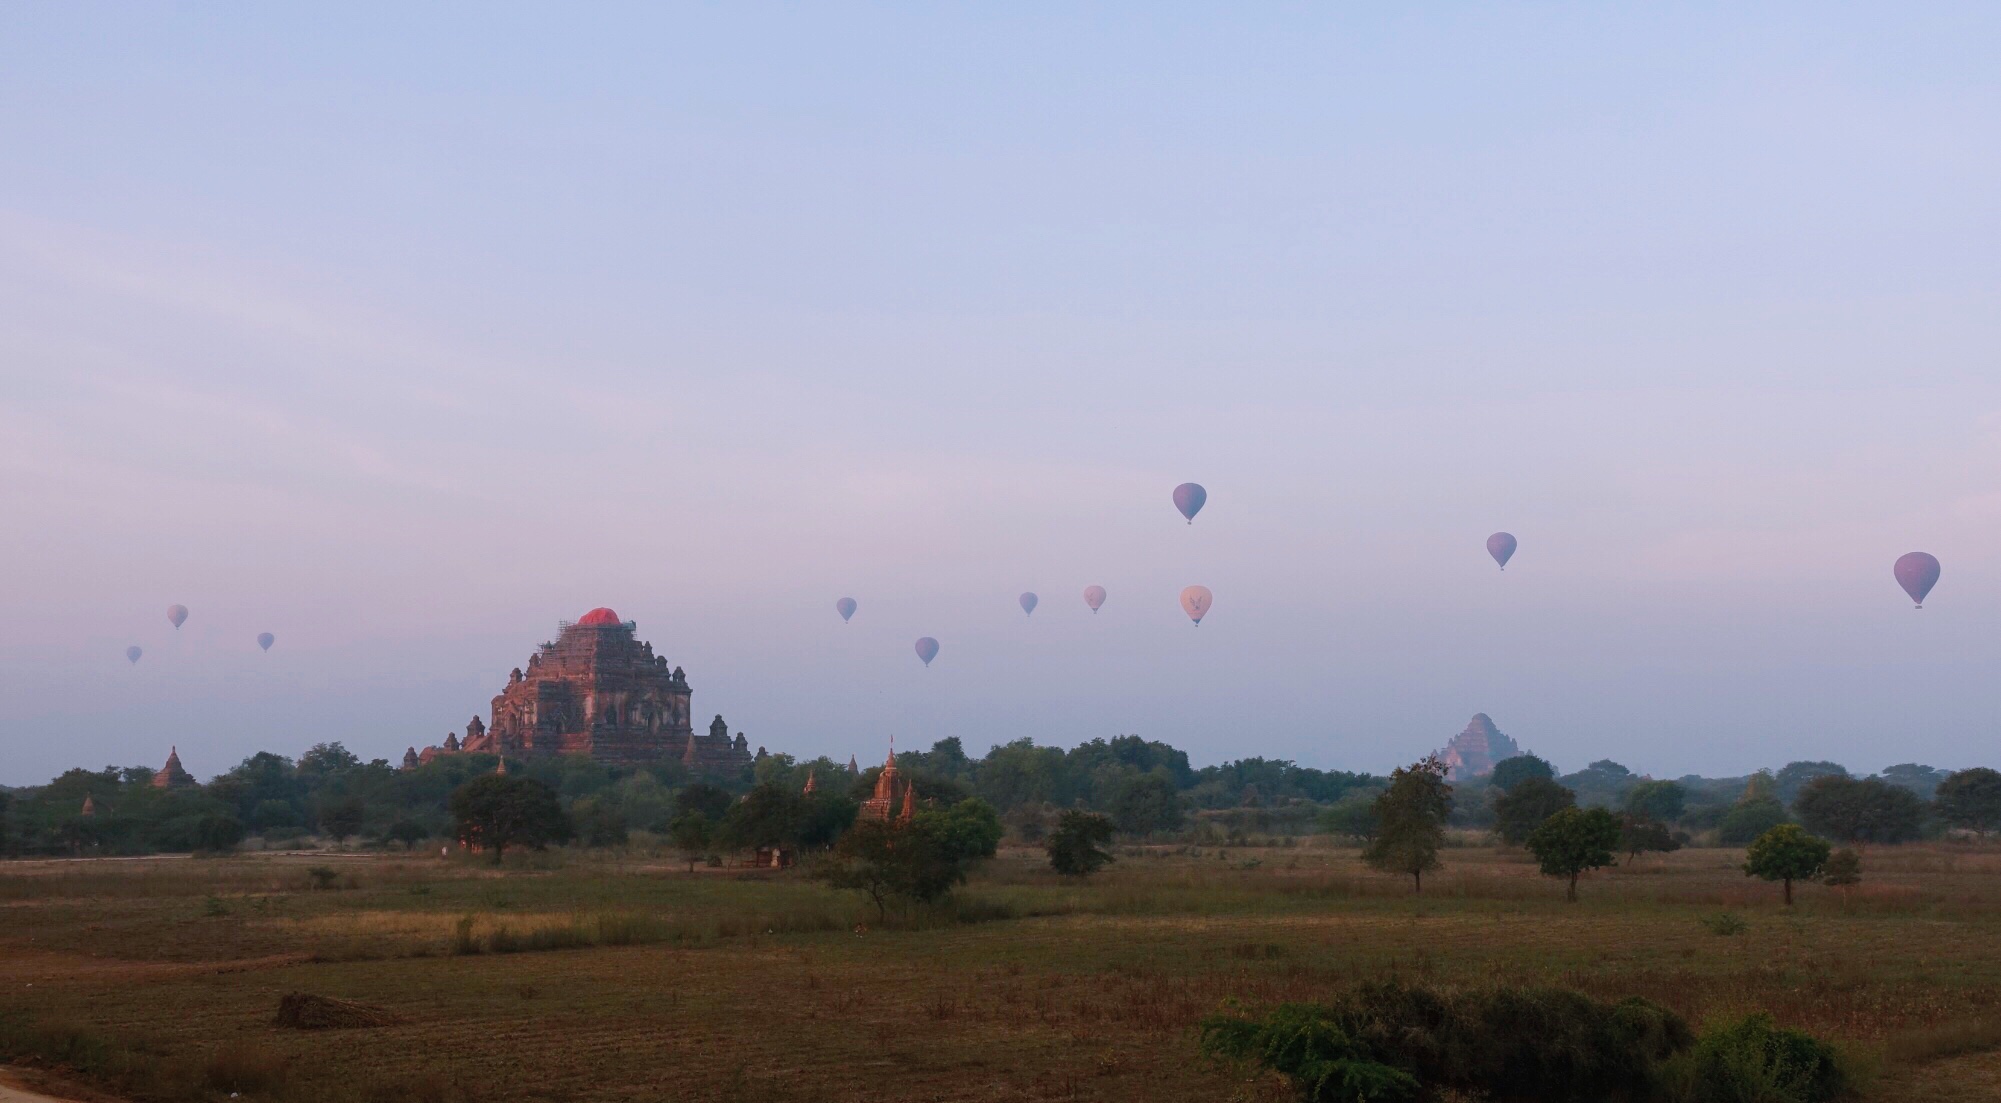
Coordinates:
[13,1091]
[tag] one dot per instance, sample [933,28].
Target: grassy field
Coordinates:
[576,978]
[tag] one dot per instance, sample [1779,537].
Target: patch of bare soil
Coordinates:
[305,1011]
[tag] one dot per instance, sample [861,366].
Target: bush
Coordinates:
[1507,1044]
[1301,1043]
[1753,1060]
[1725,923]
[1076,848]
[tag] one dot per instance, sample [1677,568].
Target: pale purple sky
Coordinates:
[404,334]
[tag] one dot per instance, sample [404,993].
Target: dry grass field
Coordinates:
[576,978]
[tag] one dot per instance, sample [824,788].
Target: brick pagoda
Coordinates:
[597,690]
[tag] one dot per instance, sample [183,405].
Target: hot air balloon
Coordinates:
[1195,602]
[1917,573]
[1028,602]
[178,614]
[265,640]
[132,653]
[846,607]
[1094,596]
[1501,546]
[1188,498]
[927,649]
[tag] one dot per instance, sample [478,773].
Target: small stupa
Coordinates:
[172,776]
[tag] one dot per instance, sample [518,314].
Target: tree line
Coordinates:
[1403,827]
[1142,787]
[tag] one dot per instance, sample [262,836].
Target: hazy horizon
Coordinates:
[405,334]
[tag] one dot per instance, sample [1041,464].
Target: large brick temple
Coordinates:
[598,690]
[1477,750]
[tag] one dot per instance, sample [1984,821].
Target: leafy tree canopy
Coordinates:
[497,811]
[1660,801]
[1410,817]
[1971,800]
[1794,776]
[1786,853]
[1748,819]
[1076,847]
[1574,840]
[887,862]
[1522,809]
[1510,772]
[1865,810]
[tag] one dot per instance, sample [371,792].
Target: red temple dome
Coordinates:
[599,617]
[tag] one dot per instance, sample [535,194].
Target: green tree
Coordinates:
[495,811]
[1786,853]
[342,817]
[1076,847]
[598,824]
[1573,840]
[1146,803]
[887,861]
[826,816]
[1748,819]
[1353,816]
[408,832]
[1794,777]
[969,830]
[217,833]
[767,816]
[704,799]
[1510,772]
[1638,836]
[691,833]
[1865,810]
[270,815]
[1411,821]
[1023,773]
[1522,809]
[327,759]
[1920,779]
[1971,800]
[1660,801]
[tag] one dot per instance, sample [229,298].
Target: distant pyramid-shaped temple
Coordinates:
[597,690]
[1473,752]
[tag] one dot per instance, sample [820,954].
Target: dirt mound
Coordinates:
[305,1011]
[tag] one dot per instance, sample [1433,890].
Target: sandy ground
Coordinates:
[12,1091]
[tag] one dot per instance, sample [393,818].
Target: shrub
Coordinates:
[1753,1060]
[1725,923]
[1076,847]
[1507,1044]
[1300,1043]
